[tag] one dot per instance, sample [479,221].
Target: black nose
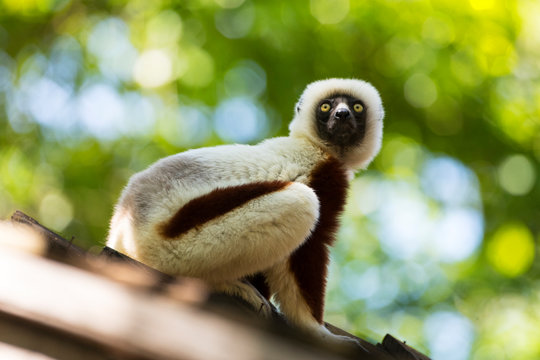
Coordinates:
[342,114]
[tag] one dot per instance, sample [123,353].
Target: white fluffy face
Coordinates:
[304,123]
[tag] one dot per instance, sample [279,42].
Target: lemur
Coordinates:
[268,212]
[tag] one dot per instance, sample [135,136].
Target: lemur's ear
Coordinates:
[299,105]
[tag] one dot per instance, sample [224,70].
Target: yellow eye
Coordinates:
[325,107]
[358,108]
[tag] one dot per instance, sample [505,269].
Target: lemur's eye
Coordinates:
[358,108]
[325,107]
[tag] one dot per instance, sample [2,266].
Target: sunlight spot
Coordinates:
[481,5]
[365,196]
[48,102]
[420,91]
[450,335]
[459,234]
[164,29]
[404,221]
[109,43]
[247,79]
[449,181]
[401,155]
[529,36]
[55,211]
[188,127]
[101,110]
[237,23]
[499,57]
[511,249]
[240,120]
[199,68]
[516,175]
[65,62]
[438,31]
[405,52]
[30,7]
[510,321]
[329,11]
[153,68]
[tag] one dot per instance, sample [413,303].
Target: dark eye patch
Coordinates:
[342,134]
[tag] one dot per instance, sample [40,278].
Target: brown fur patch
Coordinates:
[214,204]
[310,261]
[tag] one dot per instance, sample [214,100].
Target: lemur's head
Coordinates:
[344,116]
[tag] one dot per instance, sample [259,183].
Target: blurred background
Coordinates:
[439,243]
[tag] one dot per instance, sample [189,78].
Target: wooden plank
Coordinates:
[28,340]
[56,245]
[10,352]
[400,350]
[128,321]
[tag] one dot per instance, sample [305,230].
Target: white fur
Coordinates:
[303,125]
[289,297]
[257,236]
[265,231]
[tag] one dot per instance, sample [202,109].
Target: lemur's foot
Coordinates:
[247,292]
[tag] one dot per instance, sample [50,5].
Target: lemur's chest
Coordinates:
[330,182]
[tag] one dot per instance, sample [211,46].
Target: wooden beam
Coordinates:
[119,304]
[124,320]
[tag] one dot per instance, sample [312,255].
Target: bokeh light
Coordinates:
[517,175]
[438,31]
[236,23]
[55,211]
[164,29]
[33,7]
[153,68]
[49,103]
[510,329]
[450,335]
[188,126]
[511,249]
[109,43]
[199,70]
[420,91]
[329,11]
[240,120]
[459,234]
[450,182]
[245,79]
[101,110]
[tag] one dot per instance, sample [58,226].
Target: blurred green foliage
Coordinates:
[439,243]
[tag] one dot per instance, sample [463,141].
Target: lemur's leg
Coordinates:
[244,290]
[299,310]
[288,295]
